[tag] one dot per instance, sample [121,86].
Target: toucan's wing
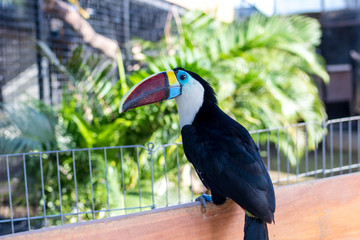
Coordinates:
[228,161]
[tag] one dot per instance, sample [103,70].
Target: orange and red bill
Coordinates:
[158,87]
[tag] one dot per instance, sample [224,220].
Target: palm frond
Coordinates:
[25,128]
[261,68]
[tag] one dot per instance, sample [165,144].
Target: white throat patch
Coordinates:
[189,102]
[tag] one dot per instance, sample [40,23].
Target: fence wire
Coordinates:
[23,23]
[43,189]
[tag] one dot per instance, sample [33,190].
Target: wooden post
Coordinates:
[320,209]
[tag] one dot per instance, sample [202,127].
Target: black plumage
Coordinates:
[222,151]
[227,160]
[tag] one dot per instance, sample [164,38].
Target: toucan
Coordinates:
[224,155]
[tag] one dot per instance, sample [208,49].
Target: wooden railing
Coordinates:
[320,209]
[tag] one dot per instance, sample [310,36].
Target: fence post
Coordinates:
[150,149]
[1,96]
[38,27]
[324,127]
[126,6]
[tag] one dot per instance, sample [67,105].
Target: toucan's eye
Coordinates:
[182,77]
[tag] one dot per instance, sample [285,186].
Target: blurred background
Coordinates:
[282,68]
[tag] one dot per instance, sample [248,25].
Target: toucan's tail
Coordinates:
[255,229]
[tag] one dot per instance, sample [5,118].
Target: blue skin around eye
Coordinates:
[182,82]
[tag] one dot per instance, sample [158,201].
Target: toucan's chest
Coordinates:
[189,102]
[212,131]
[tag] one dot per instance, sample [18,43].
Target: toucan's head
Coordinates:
[190,91]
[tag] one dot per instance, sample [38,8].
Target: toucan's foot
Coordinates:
[204,199]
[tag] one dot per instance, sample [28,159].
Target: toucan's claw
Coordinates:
[204,199]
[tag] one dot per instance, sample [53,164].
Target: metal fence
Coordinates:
[23,23]
[42,189]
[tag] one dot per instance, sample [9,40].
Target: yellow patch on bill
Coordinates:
[171,77]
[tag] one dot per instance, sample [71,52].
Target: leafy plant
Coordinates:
[19,128]
[89,118]
[262,69]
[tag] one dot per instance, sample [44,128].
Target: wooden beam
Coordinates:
[320,209]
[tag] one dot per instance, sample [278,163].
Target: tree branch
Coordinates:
[66,13]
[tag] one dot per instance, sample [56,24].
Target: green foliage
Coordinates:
[19,128]
[88,118]
[90,106]
[262,69]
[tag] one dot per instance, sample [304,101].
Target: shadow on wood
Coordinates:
[321,209]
